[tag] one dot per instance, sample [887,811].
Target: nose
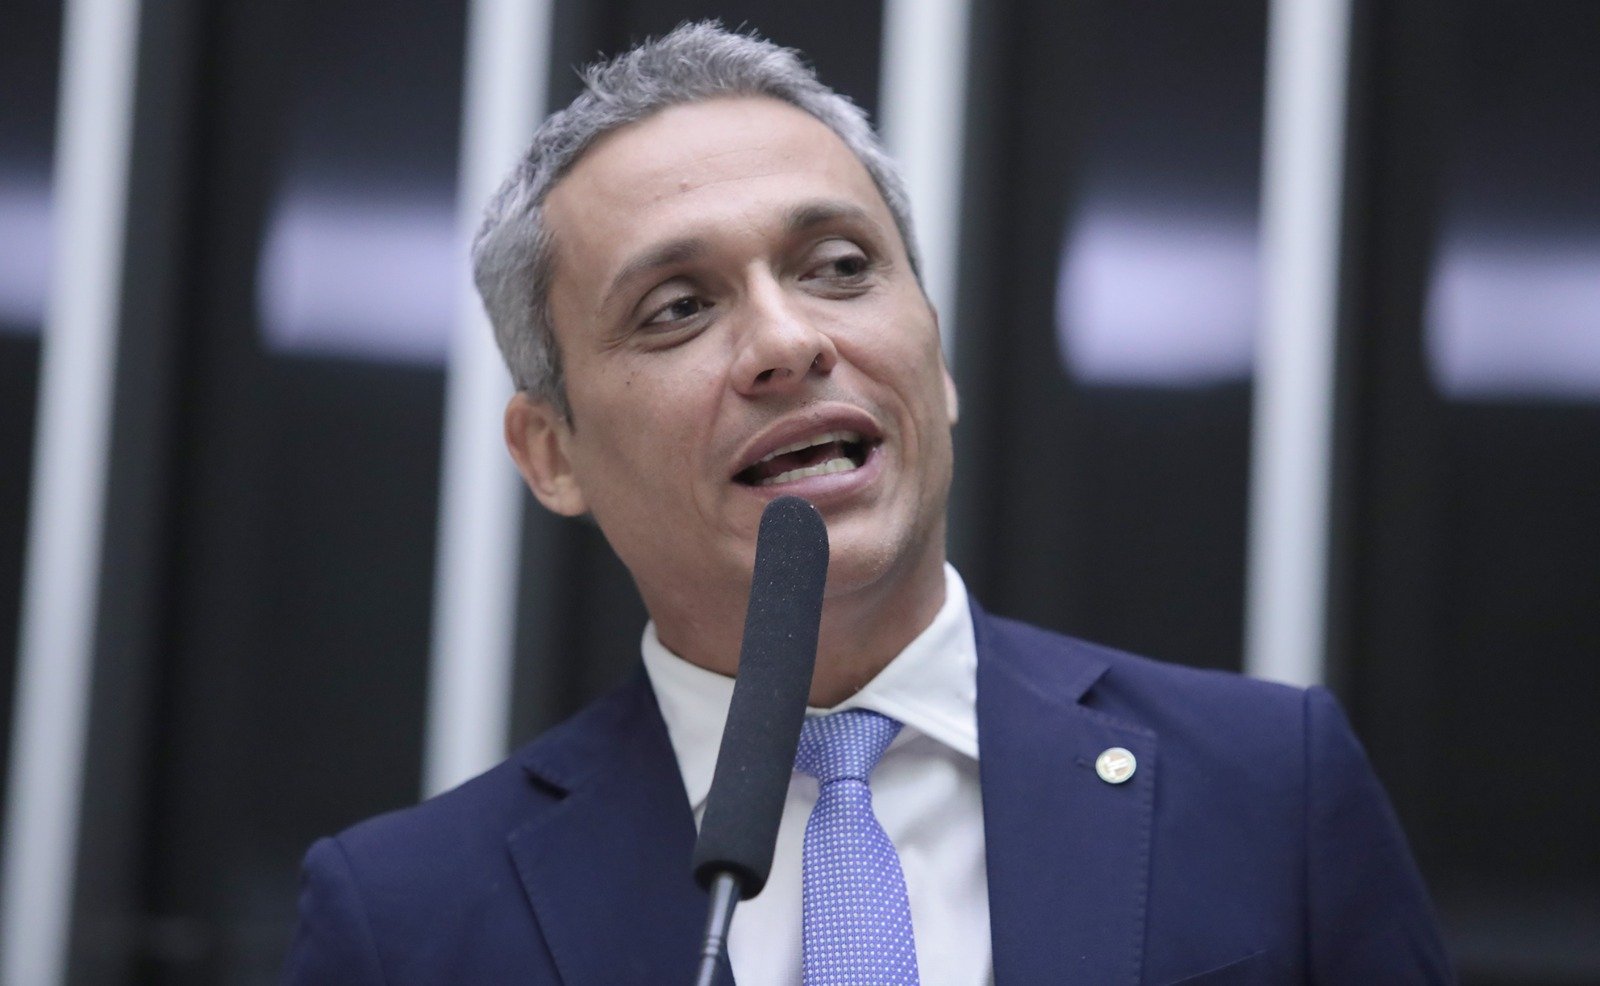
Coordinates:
[780,346]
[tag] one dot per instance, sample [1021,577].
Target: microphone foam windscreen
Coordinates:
[776,659]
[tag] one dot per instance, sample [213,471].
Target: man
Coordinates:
[704,281]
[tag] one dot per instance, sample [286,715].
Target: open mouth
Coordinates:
[819,455]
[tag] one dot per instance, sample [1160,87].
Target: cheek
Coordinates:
[639,429]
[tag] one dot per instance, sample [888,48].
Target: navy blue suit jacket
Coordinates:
[1252,845]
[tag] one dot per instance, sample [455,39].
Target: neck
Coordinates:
[863,631]
[864,627]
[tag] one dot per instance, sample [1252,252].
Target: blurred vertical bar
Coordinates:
[1291,456]
[922,117]
[60,605]
[474,618]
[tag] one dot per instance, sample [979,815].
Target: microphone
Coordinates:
[733,854]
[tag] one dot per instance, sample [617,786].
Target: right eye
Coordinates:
[677,310]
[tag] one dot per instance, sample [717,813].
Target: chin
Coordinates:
[865,564]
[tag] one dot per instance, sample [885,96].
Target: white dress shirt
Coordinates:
[925,790]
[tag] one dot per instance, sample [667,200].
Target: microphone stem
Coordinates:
[724,895]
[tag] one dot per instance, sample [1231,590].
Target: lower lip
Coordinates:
[831,487]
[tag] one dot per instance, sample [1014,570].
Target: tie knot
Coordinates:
[845,744]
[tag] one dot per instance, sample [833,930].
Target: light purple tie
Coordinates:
[857,916]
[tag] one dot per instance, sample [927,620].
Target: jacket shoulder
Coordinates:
[432,892]
[1172,700]
[482,811]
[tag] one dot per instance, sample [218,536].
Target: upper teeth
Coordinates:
[832,436]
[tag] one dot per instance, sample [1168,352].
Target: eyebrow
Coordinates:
[809,214]
[803,217]
[662,255]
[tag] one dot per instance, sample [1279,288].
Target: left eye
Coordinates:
[850,266]
[842,267]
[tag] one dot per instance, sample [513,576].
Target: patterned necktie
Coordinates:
[857,917]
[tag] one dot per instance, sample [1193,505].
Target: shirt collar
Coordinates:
[931,687]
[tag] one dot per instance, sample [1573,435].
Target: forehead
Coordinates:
[706,142]
[700,168]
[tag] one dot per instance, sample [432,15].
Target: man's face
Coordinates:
[728,285]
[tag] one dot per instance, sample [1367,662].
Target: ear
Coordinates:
[952,403]
[537,436]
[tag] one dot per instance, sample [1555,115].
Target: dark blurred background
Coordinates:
[265,581]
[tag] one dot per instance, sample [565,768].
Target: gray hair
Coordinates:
[513,254]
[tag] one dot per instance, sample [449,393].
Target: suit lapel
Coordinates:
[606,863]
[1068,853]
